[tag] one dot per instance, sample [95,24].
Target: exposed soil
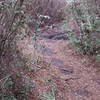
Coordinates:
[59,68]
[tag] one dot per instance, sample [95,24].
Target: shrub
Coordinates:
[88,41]
[52,8]
[11,19]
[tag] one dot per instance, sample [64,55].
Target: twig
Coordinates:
[5,78]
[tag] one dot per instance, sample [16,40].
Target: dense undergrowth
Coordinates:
[18,20]
[86,34]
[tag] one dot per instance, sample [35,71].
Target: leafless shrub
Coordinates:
[52,8]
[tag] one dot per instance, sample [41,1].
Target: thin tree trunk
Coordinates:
[8,34]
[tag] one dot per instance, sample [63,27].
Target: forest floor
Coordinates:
[58,72]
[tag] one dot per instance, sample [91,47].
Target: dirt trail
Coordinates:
[61,69]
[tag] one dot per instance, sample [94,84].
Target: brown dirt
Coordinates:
[58,67]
